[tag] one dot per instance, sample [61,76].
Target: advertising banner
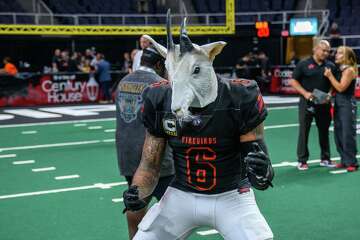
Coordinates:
[43,89]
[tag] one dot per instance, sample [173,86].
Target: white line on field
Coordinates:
[80,124]
[109,130]
[293,164]
[281,108]
[281,126]
[95,127]
[114,184]
[56,123]
[108,140]
[50,145]
[338,171]
[116,200]
[45,169]
[28,132]
[8,156]
[67,177]
[23,162]
[207,232]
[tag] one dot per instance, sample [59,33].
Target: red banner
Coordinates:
[45,89]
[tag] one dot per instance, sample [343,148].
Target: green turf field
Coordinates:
[86,205]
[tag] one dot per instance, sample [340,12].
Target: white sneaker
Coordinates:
[302,166]
[327,163]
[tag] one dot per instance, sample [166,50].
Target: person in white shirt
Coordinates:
[144,43]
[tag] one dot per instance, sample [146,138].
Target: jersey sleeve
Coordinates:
[151,111]
[250,110]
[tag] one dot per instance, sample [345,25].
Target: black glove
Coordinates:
[132,201]
[258,168]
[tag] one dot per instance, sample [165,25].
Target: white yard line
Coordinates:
[8,155]
[80,124]
[109,130]
[117,200]
[207,232]
[67,177]
[23,162]
[56,123]
[108,140]
[95,127]
[45,169]
[281,108]
[29,132]
[114,184]
[50,145]
[338,171]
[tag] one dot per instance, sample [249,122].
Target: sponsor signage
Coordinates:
[50,89]
[303,26]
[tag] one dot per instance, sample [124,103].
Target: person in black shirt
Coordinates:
[309,75]
[345,107]
[130,132]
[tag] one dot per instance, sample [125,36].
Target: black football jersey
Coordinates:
[206,151]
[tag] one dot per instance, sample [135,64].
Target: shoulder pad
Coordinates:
[243,90]
[157,93]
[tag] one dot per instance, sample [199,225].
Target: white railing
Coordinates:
[345,41]
[147,19]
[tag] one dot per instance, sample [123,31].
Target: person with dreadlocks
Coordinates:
[130,132]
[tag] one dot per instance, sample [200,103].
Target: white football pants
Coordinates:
[235,216]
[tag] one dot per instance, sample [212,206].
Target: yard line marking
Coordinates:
[109,130]
[32,113]
[114,184]
[23,162]
[338,171]
[80,124]
[45,169]
[66,177]
[108,140]
[290,164]
[57,122]
[8,156]
[50,145]
[116,200]
[95,127]
[281,108]
[281,126]
[28,132]
[207,232]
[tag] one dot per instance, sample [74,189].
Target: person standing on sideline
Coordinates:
[104,77]
[144,43]
[130,131]
[309,75]
[345,107]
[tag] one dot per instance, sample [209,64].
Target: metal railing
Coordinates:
[241,18]
[345,41]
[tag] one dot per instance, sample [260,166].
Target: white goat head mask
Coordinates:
[190,70]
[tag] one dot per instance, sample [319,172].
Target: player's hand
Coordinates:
[132,201]
[308,96]
[258,165]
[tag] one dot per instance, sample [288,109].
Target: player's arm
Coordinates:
[295,84]
[258,164]
[147,174]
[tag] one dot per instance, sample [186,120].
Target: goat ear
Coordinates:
[161,49]
[213,49]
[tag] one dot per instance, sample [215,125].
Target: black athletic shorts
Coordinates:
[160,188]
